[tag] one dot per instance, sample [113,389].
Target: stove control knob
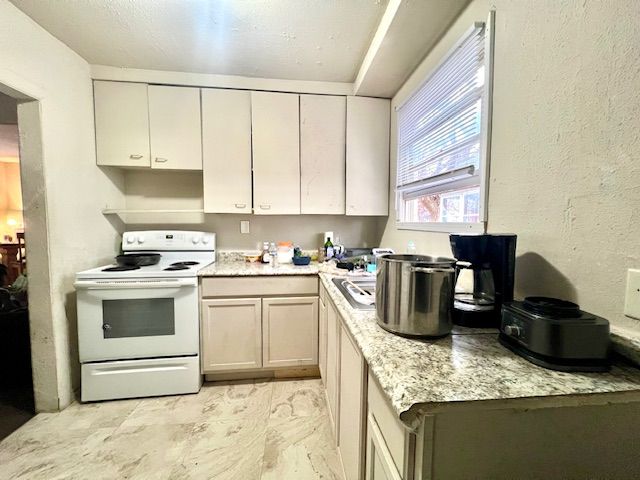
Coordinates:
[195,240]
[131,239]
[140,239]
[513,330]
[205,240]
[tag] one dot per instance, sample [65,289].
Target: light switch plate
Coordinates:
[244,226]
[632,295]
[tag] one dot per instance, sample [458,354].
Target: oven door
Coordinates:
[146,318]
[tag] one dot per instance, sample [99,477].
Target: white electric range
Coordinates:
[138,328]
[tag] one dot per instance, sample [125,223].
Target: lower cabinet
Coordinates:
[352,401]
[333,366]
[289,331]
[380,465]
[373,443]
[322,337]
[253,323]
[231,334]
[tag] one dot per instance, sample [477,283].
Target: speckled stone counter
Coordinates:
[467,367]
[626,343]
[421,376]
[244,269]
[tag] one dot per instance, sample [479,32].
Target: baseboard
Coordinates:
[290,372]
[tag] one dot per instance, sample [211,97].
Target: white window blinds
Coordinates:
[439,127]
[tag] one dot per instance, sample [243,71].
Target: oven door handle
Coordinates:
[142,284]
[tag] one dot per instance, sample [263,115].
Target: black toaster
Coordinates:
[556,334]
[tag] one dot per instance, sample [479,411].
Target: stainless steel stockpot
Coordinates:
[414,294]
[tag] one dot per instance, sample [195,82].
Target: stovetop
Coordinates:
[171,265]
[183,254]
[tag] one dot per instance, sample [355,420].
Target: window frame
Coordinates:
[485,141]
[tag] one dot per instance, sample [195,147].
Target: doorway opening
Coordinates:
[17,404]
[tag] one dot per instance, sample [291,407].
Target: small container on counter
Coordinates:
[285,252]
[273,254]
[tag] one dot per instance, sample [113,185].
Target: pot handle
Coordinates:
[431,270]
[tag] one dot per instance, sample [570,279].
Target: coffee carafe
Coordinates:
[485,273]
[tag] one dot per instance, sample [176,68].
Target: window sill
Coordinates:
[443,227]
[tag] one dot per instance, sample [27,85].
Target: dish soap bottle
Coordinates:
[328,249]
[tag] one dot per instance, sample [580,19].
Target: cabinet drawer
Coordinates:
[259,286]
[394,434]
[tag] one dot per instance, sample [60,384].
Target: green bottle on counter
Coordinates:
[328,249]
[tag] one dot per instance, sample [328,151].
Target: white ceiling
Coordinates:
[323,40]
[414,29]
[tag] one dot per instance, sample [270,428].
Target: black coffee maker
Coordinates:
[485,275]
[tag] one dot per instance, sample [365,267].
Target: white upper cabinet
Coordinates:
[226,150]
[175,128]
[322,154]
[122,124]
[367,181]
[276,153]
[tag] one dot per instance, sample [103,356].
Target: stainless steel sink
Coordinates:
[355,297]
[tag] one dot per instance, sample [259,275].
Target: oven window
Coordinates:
[144,317]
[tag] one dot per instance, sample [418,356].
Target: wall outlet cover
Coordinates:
[632,295]
[244,226]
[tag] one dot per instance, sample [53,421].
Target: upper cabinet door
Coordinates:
[367,181]
[122,124]
[175,127]
[322,154]
[276,153]
[226,149]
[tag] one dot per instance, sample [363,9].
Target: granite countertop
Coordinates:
[244,269]
[419,376]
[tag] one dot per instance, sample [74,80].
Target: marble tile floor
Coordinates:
[276,430]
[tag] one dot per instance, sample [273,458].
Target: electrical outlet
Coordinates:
[244,226]
[632,296]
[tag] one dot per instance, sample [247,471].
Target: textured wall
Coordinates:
[8,112]
[174,190]
[38,65]
[565,173]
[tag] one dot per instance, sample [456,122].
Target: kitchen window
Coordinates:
[443,141]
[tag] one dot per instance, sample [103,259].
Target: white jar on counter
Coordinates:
[285,252]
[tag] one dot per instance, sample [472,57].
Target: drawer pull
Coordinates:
[265,207]
[161,160]
[135,157]
[241,205]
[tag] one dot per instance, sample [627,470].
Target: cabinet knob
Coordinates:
[240,205]
[135,156]
[265,207]
[161,160]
